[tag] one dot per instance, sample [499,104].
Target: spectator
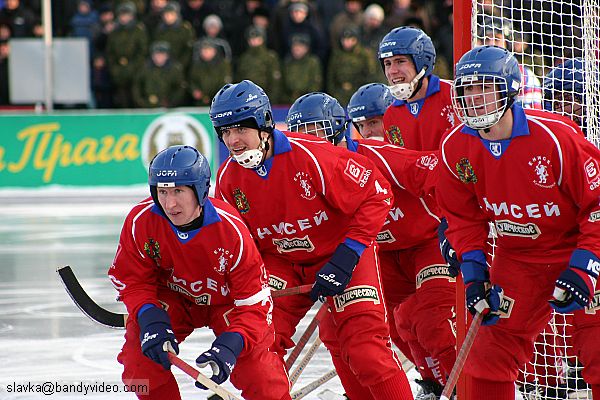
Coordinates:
[101,84]
[302,70]
[350,67]
[161,82]
[154,16]
[299,21]
[526,55]
[126,49]
[107,25]
[18,17]
[213,29]
[397,13]
[210,70]
[85,24]
[4,53]
[259,64]
[195,11]
[140,5]
[372,29]
[351,16]
[178,33]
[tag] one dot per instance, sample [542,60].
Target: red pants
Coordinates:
[501,349]
[356,333]
[267,382]
[422,300]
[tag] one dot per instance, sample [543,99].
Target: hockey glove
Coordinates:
[156,336]
[575,285]
[480,295]
[334,276]
[447,251]
[221,357]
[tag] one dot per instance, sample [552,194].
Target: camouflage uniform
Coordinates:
[350,69]
[126,49]
[208,76]
[159,86]
[261,66]
[180,36]
[303,75]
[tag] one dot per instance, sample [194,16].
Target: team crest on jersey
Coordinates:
[506,306]
[306,190]
[448,112]
[276,283]
[594,304]
[385,237]
[465,171]
[541,168]
[241,201]
[287,245]
[427,162]
[223,258]
[394,135]
[496,148]
[506,227]
[152,248]
[414,108]
[434,272]
[592,173]
[356,294]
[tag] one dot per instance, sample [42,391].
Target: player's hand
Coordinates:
[221,357]
[156,336]
[480,295]
[447,251]
[334,276]
[574,287]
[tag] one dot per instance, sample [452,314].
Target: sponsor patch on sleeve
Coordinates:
[355,171]
[592,173]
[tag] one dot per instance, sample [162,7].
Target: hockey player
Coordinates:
[366,108]
[331,206]
[422,110]
[564,90]
[186,261]
[418,286]
[536,178]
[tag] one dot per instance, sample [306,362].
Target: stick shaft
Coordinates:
[310,329]
[462,356]
[304,391]
[304,362]
[199,377]
[302,289]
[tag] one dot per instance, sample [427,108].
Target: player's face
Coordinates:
[371,128]
[569,106]
[240,139]
[179,203]
[480,98]
[399,69]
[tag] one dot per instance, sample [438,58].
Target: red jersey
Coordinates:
[540,188]
[217,264]
[419,125]
[307,198]
[414,216]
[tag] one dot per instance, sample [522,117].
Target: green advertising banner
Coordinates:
[83,149]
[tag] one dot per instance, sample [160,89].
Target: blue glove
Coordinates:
[480,295]
[221,357]
[447,251]
[156,335]
[575,285]
[334,276]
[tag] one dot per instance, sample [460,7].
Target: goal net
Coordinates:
[544,34]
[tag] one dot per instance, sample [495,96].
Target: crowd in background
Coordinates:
[169,53]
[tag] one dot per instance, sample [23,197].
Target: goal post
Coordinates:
[542,34]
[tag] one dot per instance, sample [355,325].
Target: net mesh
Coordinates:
[543,35]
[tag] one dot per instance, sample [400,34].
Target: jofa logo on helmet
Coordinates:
[394,135]
[386,44]
[241,201]
[251,97]
[295,116]
[167,172]
[224,114]
[465,171]
[355,109]
[470,65]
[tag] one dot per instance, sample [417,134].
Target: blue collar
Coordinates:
[281,145]
[432,87]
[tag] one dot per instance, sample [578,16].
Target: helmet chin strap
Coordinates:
[404,91]
[253,158]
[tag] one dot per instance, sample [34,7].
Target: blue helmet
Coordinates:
[180,166]
[318,108]
[370,100]
[490,65]
[244,101]
[566,77]
[407,40]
